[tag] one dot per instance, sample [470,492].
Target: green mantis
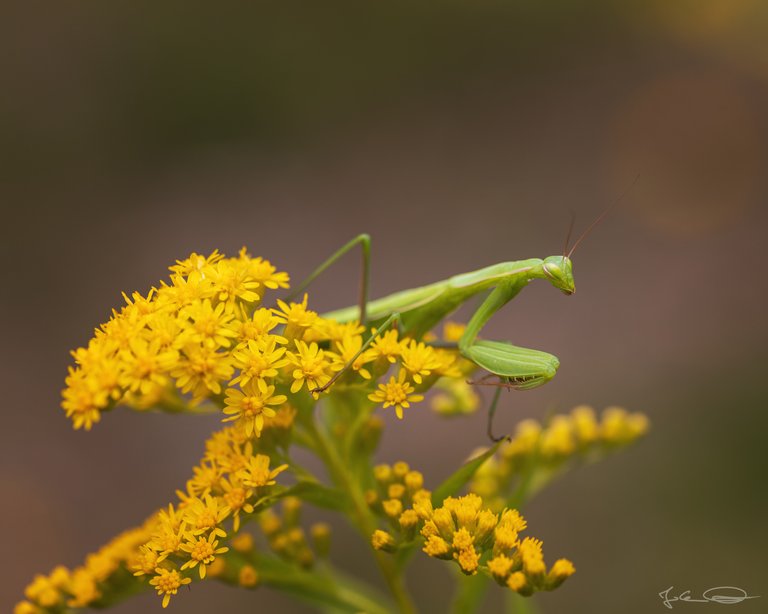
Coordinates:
[418,310]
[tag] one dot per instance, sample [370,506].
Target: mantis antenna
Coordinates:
[601,217]
[568,236]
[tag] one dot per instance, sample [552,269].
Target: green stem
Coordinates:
[516,604]
[364,519]
[321,586]
[470,593]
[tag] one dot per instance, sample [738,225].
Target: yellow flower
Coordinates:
[232,280]
[311,367]
[207,514]
[386,346]
[201,369]
[257,473]
[397,393]
[42,591]
[453,331]
[468,559]
[333,331]
[146,561]
[262,271]
[518,582]
[419,359]
[381,540]
[557,438]
[584,424]
[145,364]
[347,348]
[236,497]
[257,327]
[500,567]
[532,556]
[209,325]
[437,547]
[83,588]
[296,316]
[506,531]
[251,405]
[243,542]
[195,262]
[167,329]
[202,551]
[620,427]
[560,571]
[206,477]
[184,290]
[168,534]
[247,576]
[259,360]
[167,582]
[456,397]
[83,398]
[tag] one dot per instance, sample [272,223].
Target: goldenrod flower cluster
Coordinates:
[103,570]
[205,334]
[229,483]
[398,488]
[576,436]
[476,538]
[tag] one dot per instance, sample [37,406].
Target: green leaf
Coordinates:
[319,495]
[459,478]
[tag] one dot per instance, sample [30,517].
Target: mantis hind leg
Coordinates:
[364,241]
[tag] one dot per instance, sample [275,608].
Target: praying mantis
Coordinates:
[417,310]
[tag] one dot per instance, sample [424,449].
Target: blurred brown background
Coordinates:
[458,134]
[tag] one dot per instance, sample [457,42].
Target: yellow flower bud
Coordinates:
[392,507]
[247,576]
[381,540]
[242,542]
[321,538]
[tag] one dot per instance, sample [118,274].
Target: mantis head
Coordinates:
[559,271]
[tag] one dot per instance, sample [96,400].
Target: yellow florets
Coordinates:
[251,405]
[419,359]
[311,367]
[247,576]
[201,551]
[167,583]
[183,336]
[467,532]
[579,434]
[397,393]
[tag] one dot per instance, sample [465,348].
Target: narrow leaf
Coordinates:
[464,473]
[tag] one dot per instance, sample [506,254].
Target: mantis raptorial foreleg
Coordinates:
[491,412]
[517,367]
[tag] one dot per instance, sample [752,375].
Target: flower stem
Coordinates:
[363,517]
